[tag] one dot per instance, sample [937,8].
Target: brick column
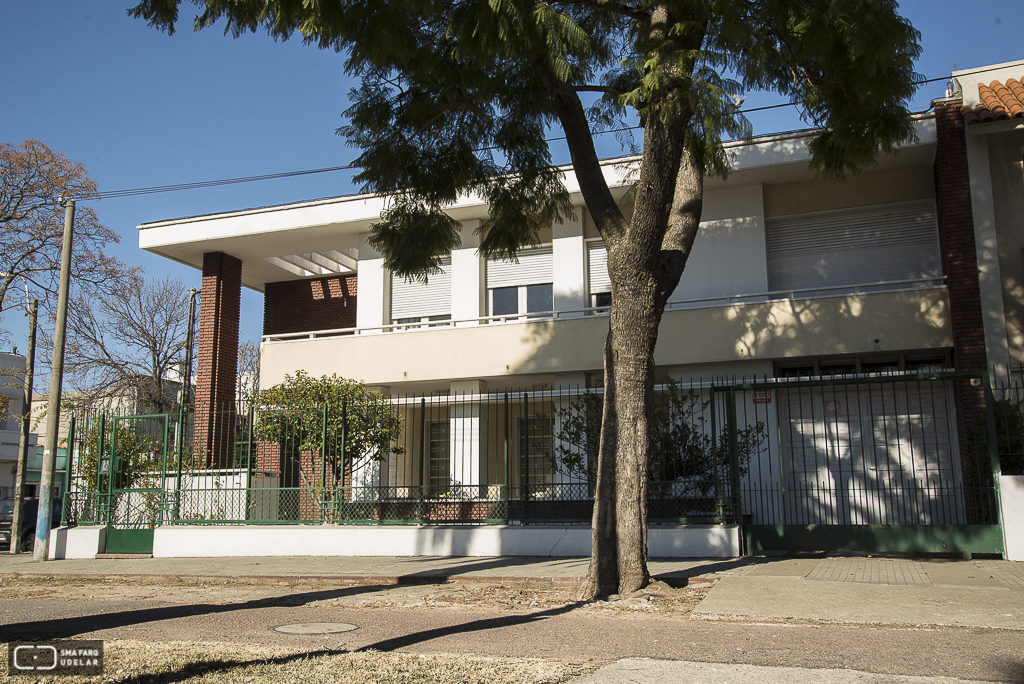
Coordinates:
[960,265]
[217,358]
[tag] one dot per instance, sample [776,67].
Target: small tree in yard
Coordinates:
[457,97]
[342,419]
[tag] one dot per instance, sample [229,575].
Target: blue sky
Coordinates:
[140,108]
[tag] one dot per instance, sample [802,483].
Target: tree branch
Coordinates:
[637,15]
[609,219]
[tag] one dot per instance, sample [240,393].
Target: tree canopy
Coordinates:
[33,178]
[456,99]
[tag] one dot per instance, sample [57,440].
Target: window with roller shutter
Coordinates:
[415,302]
[862,246]
[524,287]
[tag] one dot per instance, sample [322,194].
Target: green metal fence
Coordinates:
[868,461]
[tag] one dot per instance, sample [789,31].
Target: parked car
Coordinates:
[6,518]
[27,523]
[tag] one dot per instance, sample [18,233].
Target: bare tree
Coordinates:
[127,341]
[32,178]
[248,372]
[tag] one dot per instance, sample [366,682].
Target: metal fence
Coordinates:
[858,450]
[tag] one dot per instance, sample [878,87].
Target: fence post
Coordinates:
[68,460]
[992,438]
[423,441]
[182,423]
[508,471]
[524,461]
[719,504]
[323,467]
[734,463]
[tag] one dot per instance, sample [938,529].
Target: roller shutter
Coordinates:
[416,300]
[853,246]
[535,265]
[597,268]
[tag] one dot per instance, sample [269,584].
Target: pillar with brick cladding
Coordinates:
[960,266]
[217,359]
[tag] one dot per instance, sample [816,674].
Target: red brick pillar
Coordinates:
[960,265]
[217,358]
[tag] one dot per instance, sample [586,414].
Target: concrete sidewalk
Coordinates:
[904,591]
[644,671]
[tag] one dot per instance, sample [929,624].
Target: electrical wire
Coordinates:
[130,192]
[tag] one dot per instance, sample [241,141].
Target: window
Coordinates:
[599,283]
[417,321]
[438,449]
[413,303]
[860,246]
[523,287]
[522,299]
[536,450]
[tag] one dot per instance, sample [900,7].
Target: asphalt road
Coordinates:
[560,633]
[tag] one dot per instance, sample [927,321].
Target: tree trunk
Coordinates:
[634,332]
[603,576]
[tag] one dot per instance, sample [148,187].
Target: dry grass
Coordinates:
[134,662]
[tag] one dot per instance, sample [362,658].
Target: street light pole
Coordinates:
[26,425]
[41,552]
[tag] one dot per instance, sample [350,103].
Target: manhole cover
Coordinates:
[315,628]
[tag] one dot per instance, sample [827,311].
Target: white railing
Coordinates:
[682,305]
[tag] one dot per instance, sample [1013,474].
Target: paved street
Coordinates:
[916,618]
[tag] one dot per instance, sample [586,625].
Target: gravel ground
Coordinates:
[507,598]
[135,662]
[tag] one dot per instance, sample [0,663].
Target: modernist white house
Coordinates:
[904,282]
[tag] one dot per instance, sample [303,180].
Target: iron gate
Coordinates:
[134,470]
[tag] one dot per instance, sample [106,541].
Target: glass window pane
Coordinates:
[538,298]
[506,301]
[602,299]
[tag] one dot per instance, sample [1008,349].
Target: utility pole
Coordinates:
[26,425]
[41,552]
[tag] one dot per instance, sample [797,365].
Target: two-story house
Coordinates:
[911,267]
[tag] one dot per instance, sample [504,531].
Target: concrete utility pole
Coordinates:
[26,424]
[41,552]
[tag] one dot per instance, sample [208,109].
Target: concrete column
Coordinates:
[570,265]
[217,358]
[469,289]
[987,244]
[468,437]
[374,308]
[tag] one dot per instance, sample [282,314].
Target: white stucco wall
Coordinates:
[1011,497]
[697,541]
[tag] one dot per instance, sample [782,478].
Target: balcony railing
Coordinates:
[681,305]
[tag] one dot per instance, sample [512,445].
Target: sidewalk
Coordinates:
[978,593]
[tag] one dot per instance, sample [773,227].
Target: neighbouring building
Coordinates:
[12,376]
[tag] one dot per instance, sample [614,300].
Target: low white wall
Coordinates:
[1011,497]
[709,541]
[77,542]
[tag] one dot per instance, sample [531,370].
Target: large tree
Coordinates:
[457,97]
[33,178]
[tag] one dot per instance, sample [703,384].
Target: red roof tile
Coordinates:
[999,101]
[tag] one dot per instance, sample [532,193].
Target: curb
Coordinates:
[390,580]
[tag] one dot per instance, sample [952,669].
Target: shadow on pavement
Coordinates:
[201,668]
[467,627]
[63,628]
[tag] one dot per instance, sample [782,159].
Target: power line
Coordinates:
[130,192]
